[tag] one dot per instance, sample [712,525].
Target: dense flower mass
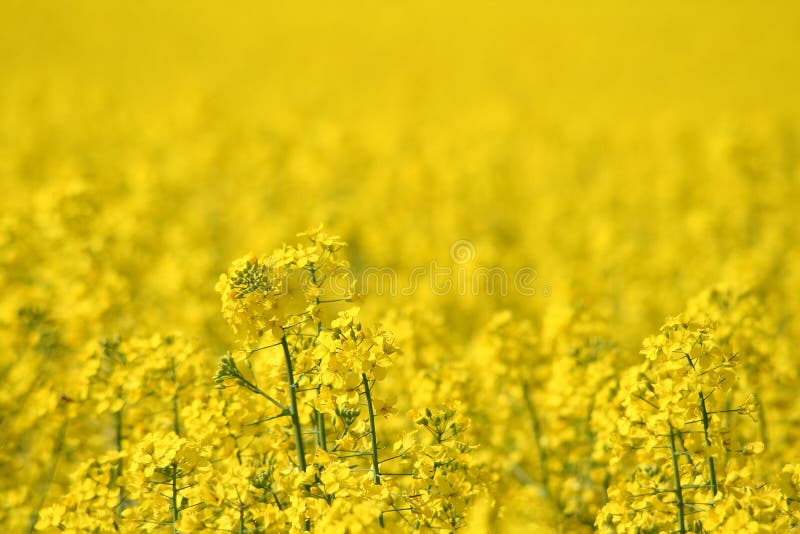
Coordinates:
[547,281]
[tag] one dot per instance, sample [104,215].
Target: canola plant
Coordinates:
[399,267]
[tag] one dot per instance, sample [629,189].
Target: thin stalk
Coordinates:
[537,436]
[258,391]
[175,415]
[253,351]
[712,471]
[322,438]
[298,431]
[319,417]
[376,473]
[174,503]
[177,428]
[677,479]
[762,422]
[118,468]
[119,435]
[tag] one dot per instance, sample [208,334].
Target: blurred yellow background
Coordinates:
[613,59]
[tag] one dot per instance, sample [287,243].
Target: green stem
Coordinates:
[319,418]
[258,391]
[174,503]
[712,471]
[537,436]
[376,474]
[677,479]
[235,373]
[119,467]
[298,431]
[322,438]
[177,428]
[762,421]
[175,415]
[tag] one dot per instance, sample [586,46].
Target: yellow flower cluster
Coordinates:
[680,461]
[323,382]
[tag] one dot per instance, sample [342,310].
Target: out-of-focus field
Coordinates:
[631,156]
